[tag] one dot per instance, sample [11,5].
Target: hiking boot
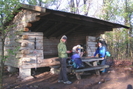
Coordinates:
[67,82]
[60,81]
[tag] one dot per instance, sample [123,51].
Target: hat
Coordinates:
[64,37]
[78,46]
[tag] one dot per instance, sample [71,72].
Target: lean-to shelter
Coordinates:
[37,32]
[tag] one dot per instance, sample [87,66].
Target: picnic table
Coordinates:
[91,64]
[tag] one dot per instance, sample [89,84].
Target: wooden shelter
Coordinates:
[37,32]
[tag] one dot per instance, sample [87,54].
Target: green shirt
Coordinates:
[62,50]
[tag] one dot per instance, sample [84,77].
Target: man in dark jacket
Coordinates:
[62,53]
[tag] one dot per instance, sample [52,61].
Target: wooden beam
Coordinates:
[76,27]
[60,30]
[28,24]
[53,28]
[42,63]
[41,25]
[59,14]
[34,8]
[44,14]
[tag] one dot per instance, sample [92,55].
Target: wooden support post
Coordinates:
[78,76]
[88,63]
[97,71]
[23,72]
[54,69]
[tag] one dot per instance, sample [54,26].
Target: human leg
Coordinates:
[63,72]
[103,63]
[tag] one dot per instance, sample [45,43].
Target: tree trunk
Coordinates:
[2,65]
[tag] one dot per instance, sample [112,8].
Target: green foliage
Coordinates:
[7,10]
[119,41]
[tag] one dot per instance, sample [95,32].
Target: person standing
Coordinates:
[62,53]
[101,51]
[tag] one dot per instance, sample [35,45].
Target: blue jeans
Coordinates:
[103,63]
[63,72]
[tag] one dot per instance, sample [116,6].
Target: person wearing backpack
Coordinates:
[101,51]
[76,58]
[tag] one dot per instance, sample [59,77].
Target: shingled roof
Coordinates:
[55,23]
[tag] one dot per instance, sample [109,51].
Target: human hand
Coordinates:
[68,51]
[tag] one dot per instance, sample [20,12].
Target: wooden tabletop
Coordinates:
[90,59]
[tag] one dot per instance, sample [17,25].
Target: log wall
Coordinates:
[90,45]
[20,41]
[50,47]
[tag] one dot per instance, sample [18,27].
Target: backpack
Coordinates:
[107,54]
[76,61]
[77,64]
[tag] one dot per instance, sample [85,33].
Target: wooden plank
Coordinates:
[91,43]
[31,46]
[91,68]
[26,37]
[29,56]
[7,48]
[26,52]
[11,64]
[43,63]
[11,44]
[30,59]
[85,59]
[91,47]
[91,38]
[23,49]
[32,33]
[29,41]
[12,61]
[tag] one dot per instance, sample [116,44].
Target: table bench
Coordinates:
[78,71]
[91,65]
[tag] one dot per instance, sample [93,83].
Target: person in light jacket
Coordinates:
[62,53]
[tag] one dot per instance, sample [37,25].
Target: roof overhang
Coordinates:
[55,23]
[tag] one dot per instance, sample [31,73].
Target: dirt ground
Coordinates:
[119,76]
